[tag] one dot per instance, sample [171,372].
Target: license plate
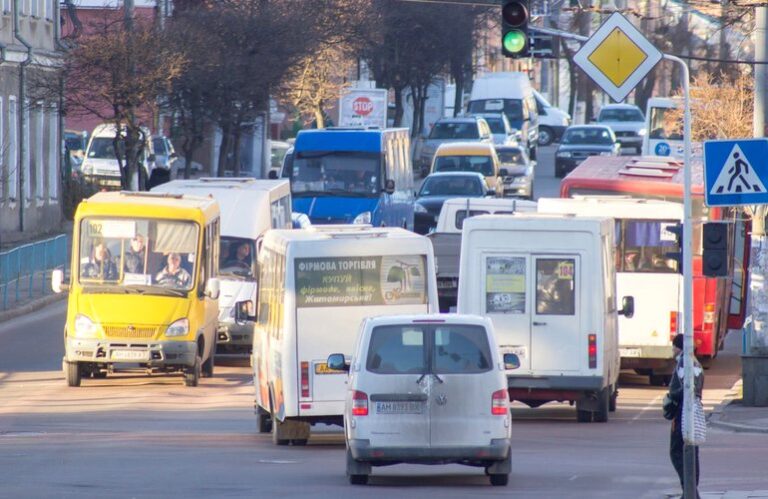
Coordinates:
[629,352]
[129,355]
[401,407]
[322,368]
[521,351]
[446,283]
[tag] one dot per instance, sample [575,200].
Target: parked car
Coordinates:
[437,188]
[519,168]
[426,389]
[165,155]
[627,122]
[552,121]
[501,129]
[100,166]
[582,141]
[470,157]
[469,128]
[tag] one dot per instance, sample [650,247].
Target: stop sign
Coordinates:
[362,106]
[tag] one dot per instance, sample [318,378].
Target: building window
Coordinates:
[13,144]
[39,160]
[27,179]
[35,8]
[25,7]
[7,6]
[53,153]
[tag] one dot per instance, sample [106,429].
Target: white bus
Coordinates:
[642,271]
[249,207]
[316,287]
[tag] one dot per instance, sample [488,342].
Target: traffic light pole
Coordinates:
[689,460]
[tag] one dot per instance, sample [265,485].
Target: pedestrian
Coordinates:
[675,397]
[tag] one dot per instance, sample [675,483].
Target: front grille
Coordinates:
[626,134]
[130,331]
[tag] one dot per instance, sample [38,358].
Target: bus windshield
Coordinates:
[663,125]
[137,255]
[340,173]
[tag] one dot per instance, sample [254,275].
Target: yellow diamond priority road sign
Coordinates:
[617,56]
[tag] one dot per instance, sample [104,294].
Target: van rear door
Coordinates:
[556,338]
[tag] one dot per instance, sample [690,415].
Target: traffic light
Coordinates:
[714,257]
[677,256]
[514,29]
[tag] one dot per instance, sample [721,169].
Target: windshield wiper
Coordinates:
[154,290]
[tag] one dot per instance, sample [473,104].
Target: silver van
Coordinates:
[427,389]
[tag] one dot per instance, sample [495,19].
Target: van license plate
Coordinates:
[629,352]
[322,368]
[401,407]
[129,355]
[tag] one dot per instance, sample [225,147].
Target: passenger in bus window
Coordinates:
[136,255]
[100,264]
[173,275]
[630,261]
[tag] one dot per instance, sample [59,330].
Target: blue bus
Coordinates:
[353,175]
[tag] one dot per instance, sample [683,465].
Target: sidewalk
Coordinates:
[732,415]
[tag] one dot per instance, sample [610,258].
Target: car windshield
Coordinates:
[586,136]
[512,156]
[454,130]
[236,257]
[458,185]
[339,173]
[142,255]
[476,164]
[103,148]
[513,108]
[621,115]
[496,124]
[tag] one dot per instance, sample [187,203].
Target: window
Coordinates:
[25,7]
[53,153]
[396,350]
[27,180]
[556,286]
[461,349]
[238,258]
[48,9]
[462,215]
[39,161]
[641,246]
[505,284]
[13,144]
[7,6]
[281,213]
[35,7]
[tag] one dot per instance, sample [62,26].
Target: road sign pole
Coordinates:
[689,460]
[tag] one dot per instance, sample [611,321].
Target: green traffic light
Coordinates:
[514,41]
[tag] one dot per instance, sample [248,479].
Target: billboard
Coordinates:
[363,107]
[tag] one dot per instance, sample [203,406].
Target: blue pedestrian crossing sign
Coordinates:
[736,172]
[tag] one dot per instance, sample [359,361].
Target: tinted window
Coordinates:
[237,257]
[586,136]
[104,148]
[475,164]
[460,185]
[513,108]
[348,173]
[464,214]
[466,130]
[621,115]
[642,246]
[496,124]
[159,146]
[555,286]
[511,156]
[461,349]
[396,350]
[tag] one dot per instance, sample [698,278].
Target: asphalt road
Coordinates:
[146,437]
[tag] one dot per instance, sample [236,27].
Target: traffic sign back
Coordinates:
[735,172]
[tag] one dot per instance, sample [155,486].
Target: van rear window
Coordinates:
[396,350]
[461,349]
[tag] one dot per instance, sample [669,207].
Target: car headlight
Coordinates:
[363,218]
[417,208]
[84,327]
[563,154]
[642,132]
[606,153]
[178,328]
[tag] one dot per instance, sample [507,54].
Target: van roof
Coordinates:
[363,240]
[491,203]
[344,139]
[615,206]
[465,148]
[502,85]
[150,204]
[108,130]
[386,320]
[537,221]
[240,200]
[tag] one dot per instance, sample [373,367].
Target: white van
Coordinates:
[552,121]
[316,287]
[512,94]
[249,207]
[642,270]
[548,284]
[100,164]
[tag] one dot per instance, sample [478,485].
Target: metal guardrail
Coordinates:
[24,262]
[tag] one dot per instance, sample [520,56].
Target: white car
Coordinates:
[627,122]
[426,389]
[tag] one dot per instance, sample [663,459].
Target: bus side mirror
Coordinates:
[213,288]
[389,186]
[627,307]
[57,281]
[244,312]
[511,361]
[337,363]
[272,175]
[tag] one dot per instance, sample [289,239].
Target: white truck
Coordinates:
[446,240]
[548,284]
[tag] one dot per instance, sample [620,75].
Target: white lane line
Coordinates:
[654,404]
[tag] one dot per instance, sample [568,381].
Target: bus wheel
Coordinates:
[277,434]
[72,372]
[612,403]
[263,421]
[603,405]
[207,369]
[192,374]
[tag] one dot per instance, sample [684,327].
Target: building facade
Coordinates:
[30,137]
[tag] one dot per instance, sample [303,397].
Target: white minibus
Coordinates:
[249,207]
[316,287]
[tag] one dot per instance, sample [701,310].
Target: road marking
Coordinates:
[654,404]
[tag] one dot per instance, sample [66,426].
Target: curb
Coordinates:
[715,417]
[31,306]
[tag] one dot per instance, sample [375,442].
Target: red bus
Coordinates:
[719,303]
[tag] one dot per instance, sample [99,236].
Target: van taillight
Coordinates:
[672,324]
[359,403]
[709,316]
[499,403]
[592,351]
[305,379]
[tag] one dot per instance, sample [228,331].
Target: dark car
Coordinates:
[519,178]
[581,141]
[437,188]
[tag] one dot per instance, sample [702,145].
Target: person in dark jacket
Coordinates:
[676,389]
